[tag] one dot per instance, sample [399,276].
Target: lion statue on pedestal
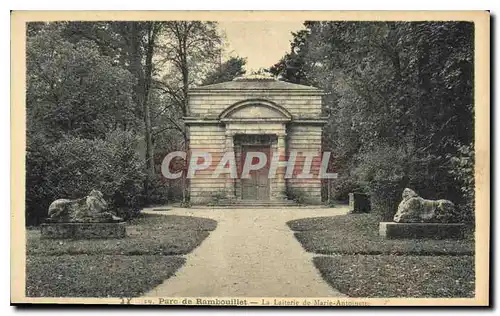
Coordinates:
[90,209]
[414,209]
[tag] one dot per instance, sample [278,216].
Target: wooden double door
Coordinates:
[256,187]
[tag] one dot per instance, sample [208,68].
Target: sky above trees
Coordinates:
[262,43]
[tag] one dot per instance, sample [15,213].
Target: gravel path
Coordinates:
[251,253]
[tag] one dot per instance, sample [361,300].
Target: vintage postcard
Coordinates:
[251,158]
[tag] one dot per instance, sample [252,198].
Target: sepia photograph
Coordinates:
[246,158]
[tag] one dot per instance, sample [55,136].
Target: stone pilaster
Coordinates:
[280,173]
[229,180]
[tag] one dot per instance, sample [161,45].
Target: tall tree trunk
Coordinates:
[142,88]
[185,108]
[135,57]
[152,33]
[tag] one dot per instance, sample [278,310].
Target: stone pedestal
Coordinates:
[393,230]
[359,203]
[83,230]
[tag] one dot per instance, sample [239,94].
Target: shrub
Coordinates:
[462,170]
[217,197]
[175,189]
[186,204]
[382,173]
[331,204]
[158,190]
[38,164]
[72,167]
[296,195]
[386,170]
[342,186]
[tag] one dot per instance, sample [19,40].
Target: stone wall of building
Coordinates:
[305,138]
[299,105]
[209,138]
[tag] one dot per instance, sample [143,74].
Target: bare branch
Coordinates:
[164,129]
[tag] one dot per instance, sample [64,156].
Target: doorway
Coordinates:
[257,186]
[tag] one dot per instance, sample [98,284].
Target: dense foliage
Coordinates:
[74,90]
[73,166]
[105,102]
[400,105]
[227,71]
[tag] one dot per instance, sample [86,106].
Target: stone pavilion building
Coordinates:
[256,113]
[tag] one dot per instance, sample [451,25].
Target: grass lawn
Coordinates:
[399,276]
[97,275]
[364,264]
[358,234]
[113,267]
[149,234]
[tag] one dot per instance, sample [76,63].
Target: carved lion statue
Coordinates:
[90,209]
[414,209]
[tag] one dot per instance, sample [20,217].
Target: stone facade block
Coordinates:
[299,105]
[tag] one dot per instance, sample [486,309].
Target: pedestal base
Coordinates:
[83,230]
[359,203]
[393,230]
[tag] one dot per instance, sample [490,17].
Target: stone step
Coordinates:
[252,206]
[255,203]
[258,201]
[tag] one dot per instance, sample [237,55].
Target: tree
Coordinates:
[166,59]
[292,67]
[230,69]
[188,50]
[404,87]
[81,124]
[152,31]
[133,45]
[73,89]
[89,80]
